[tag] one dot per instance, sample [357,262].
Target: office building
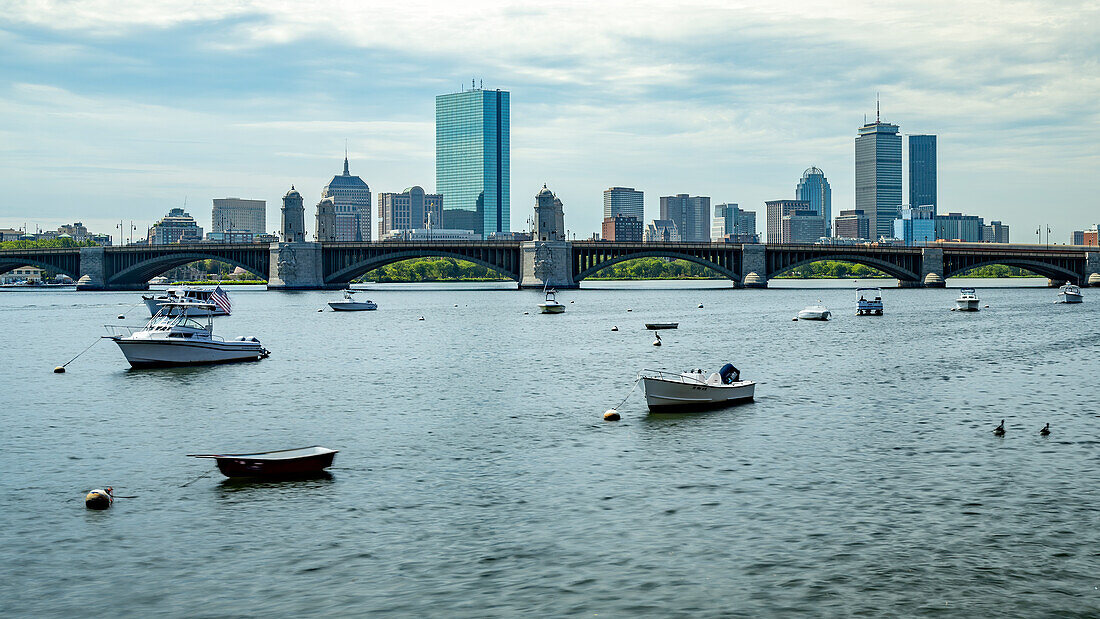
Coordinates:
[411,209]
[1091,237]
[351,206]
[916,226]
[326,220]
[995,232]
[802,226]
[959,227]
[175,227]
[1077,237]
[238,216]
[662,231]
[733,224]
[814,188]
[293,229]
[622,228]
[878,175]
[777,210]
[853,224]
[691,214]
[472,160]
[922,171]
[549,217]
[624,201]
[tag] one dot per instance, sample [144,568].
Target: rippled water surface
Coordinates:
[476,477]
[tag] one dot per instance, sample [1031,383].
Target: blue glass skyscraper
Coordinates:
[814,188]
[922,171]
[472,156]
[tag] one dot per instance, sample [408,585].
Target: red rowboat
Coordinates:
[283,463]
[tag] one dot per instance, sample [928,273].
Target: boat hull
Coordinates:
[556,308]
[655,326]
[154,305]
[869,308]
[342,306]
[672,396]
[144,353]
[804,315]
[1070,298]
[967,305]
[233,466]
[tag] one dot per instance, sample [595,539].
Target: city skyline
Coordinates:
[663,113]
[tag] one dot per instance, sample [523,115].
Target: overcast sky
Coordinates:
[122,109]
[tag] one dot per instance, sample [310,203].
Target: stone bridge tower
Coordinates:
[548,258]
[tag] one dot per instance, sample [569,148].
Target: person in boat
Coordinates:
[729,374]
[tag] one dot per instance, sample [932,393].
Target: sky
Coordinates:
[118,110]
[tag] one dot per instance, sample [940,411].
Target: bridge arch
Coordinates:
[141,272]
[778,266]
[9,265]
[612,260]
[1050,271]
[361,267]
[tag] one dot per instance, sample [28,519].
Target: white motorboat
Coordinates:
[869,302]
[968,301]
[349,304]
[694,390]
[199,298]
[815,312]
[1070,294]
[174,337]
[551,304]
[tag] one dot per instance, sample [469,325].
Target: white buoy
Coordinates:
[629,310]
[421,318]
[657,342]
[700,306]
[615,328]
[121,317]
[611,415]
[320,309]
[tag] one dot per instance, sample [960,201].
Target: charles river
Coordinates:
[476,476]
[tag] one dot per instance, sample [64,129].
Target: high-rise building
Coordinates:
[472,159]
[814,188]
[326,220]
[175,227]
[549,217]
[234,215]
[662,231]
[878,175]
[351,206]
[959,227]
[624,201]
[777,210]
[622,228]
[922,171]
[852,224]
[411,209]
[691,214]
[731,223]
[1077,237]
[995,232]
[801,226]
[293,229]
[916,226]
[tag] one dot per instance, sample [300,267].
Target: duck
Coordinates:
[657,342]
[1045,431]
[999,430]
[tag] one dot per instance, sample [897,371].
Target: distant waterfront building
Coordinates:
[802,226]
[916,226]
[472,159]
[691,214]
[351,206]
[293,229]
[511,236]
[22,274]
[238,216]
[10,234]
[429,234]
[731,223]
[175,227]
[995,232]
[777,210]
[814,188]
[1077,237]
[922,171]
[411,209]
[624,201]
[326,220]
[622,228]
[662,231]
[1091,237]
[853,224]
[878,175]
[959,227]
[549,217]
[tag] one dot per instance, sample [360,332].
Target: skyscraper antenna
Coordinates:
[877,108]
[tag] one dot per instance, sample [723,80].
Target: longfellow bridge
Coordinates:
[562,264]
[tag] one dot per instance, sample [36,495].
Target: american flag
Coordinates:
[221,300]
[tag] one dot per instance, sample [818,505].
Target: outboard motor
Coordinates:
[729,374]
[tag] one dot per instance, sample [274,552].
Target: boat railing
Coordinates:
[122,330]
[674,376]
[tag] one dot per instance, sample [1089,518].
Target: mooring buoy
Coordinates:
[59,369]
[100,498]
[611,415]
[615,328]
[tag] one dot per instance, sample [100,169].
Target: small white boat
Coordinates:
[815,312]
[349,304]
[174,337]
[869,302]
[1070,294]
[694,390]
[551,304]
[968,301]
[200,298]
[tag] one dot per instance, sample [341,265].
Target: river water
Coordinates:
[476,476]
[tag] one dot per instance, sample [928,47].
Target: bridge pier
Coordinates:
[295,266]
[931,270]
[754,267]
[93,272]
[546,263]
[1092,269]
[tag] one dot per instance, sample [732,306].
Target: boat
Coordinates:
[551,304]
[869,306]
[694,389]
[653,326]
[282,463]
[174,337]
[217,298]
[815,312]
[349,304]
[968,301]
[1070,294]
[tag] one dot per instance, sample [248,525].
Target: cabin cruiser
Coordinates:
[551,304]
[1070,294]
[174,337]
[694,389]
[869,302]
[349,304]
[216,298]
[968,301]
[815,312]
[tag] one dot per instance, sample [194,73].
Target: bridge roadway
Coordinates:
[532,263]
